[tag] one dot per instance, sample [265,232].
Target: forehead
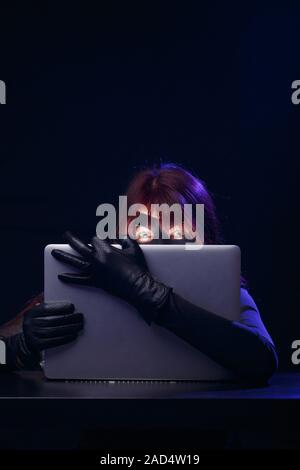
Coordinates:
[159,210]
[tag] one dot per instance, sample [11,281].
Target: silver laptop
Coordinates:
[117,344]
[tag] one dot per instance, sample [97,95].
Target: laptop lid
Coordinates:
[117,344]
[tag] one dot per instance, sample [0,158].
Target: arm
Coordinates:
[244,347]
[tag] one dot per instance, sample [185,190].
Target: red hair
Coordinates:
[171,184]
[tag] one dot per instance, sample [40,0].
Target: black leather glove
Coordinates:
[121,272]
[46,325]
[51,324]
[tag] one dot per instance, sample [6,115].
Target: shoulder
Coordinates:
[250,315]
[246,300]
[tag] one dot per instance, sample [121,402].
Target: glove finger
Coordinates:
[59,320]
[127,243]
[132,247]
[51,308]
[70,259]
[101,245]
[53,342]
[73,278]
[54,332]
[82,248]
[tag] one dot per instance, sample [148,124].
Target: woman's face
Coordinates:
[170,233]
[174,235]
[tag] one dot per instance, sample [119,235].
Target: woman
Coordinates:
[244,347]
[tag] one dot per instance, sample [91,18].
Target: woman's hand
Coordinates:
[45,325]
[121,272]
[51,324]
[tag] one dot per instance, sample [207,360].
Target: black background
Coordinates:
[95,92]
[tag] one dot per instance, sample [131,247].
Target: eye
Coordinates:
[177,233]
[143,234]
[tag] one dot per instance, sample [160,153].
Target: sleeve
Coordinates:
[244,346]
[15,354]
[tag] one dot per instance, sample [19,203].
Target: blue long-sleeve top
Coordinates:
[244,346]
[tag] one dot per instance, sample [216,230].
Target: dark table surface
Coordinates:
[189,401]
[30,403]
[32,385]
